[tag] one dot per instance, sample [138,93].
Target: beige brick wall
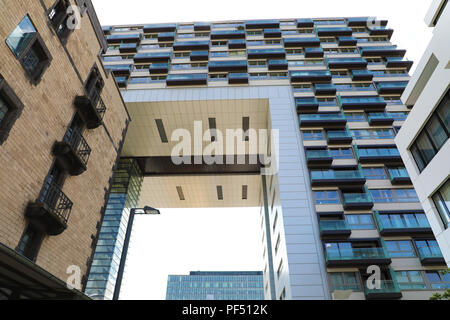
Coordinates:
[25,157]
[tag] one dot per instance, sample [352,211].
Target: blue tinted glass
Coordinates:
[19,39]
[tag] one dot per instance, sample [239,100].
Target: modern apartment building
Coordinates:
[62,123]
[423,140]
[216,285]
[328,92]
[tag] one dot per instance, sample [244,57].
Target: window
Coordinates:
[442,201]
[313,135]
[280,269]
[29,49]
[344,281]
[10,109]
[277,245]
[394,195]
[275,220]
[327,101]
[438,280]
[342,153]
[434,135]
[94,84]
[59,19]
[398,116]
[428,248]
[326,197]
[373,134]
[30,243]
[283,294]
[400,248]
[410,280]
[375,173]
[360,221]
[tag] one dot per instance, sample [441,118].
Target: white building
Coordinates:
[423,139]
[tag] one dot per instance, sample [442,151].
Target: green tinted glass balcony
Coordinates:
[431,255]
[367,155]
[325,120]
[228,34]
[398,62]
[347,41]
[314,52]
[390,224]
[354,63]
[324,89]
[362,75]
[301,42]
[357,201]
[384,289]
[266,53]
[334,31]
[366,103]
[380,118]
[306,105]
[339,137]
[336,257]
[399,176]
[319,157]
[232,65]
[335,228]
[310,76]
[305,23]
[238,78]
[337,177]
[383,51]
[261,24]
[391,87]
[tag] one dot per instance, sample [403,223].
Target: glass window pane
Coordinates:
[436,131]
[19,39]
[444,111]
[425,147]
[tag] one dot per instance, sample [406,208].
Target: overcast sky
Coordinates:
[180,241]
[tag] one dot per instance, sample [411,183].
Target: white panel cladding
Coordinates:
[303,275]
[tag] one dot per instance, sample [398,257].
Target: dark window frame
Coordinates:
[15,107]
[35,76]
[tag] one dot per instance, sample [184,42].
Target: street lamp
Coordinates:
[134,211]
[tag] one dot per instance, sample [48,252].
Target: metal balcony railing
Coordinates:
[56,200]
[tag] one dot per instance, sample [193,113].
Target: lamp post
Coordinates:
[144,211]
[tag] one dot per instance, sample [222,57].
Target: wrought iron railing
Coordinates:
[55,199]
[75,139]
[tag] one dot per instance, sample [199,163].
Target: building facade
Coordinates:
[62,123]
[423,140]
[340,202]
[216,285]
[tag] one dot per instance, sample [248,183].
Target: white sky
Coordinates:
[186,240]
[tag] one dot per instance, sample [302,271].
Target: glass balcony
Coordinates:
[324,89]
[339,137]
[187,79]
[190,45]
[237,44]
[380,118]
[431,255]
[319,157]
[228,34]
[325,120]
[305,105]
[311,76]
[347,41]
[266,54]
[385,289]
[366,103]
[357,22]
[159,68]
[354,63]
[231,65]
[388,224]
[314,52]
[352,256]
[399,176]
[335,228]
[367,155]
[357,201]
[119,70]
[237,78]
[278,64]
[335,31]
[391,87]
[382,51]
[397,62]
[381,31]
[202,55]
[166,36]
[301,42]
[362,75]
[127,38]
[202,26]
[337,177]
[152,57]
[305,23]
[272,33]
[262,24]
[128,47]
[160,27]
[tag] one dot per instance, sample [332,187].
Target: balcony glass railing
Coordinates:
[334,225]
[391,85]
[398,173]
[365,100]
[322,117]
[192,76]
[355,254]
[231,63]
[430,253]
[391,221]
[338,134]
[356,198]
[379,116]
[318,87]
[299,102]
[362,73]
[377,152]
[238,76]
[310,74]
[336,174]
[383,287]
[318,154]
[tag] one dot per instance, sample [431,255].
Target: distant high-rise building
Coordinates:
[216,285]
[423,140]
